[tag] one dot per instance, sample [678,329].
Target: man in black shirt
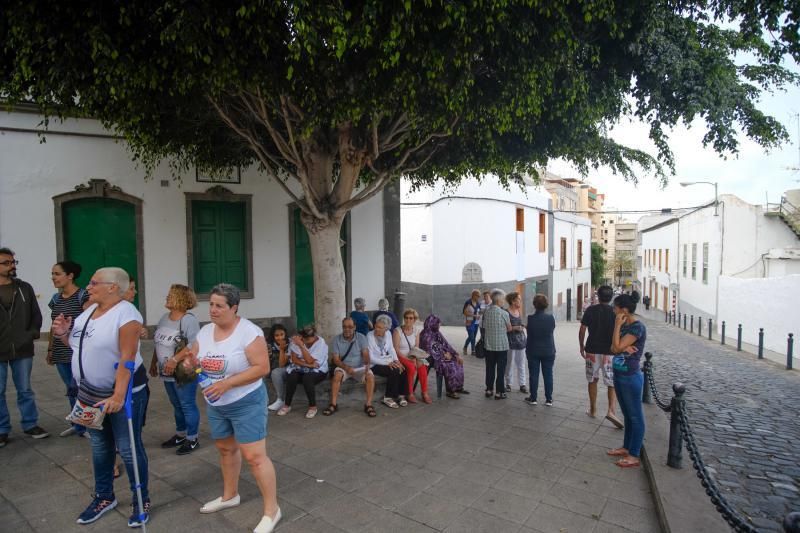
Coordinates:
[596,351]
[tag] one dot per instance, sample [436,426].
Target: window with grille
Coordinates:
[472,273]
[563,263]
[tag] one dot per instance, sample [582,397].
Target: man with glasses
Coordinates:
[351,360]
[20,322]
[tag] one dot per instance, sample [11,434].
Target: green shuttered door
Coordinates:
[219,237]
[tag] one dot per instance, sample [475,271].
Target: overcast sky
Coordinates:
[752,174]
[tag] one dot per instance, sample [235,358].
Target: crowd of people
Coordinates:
[96,330]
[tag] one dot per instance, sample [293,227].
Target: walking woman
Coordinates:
[516,344]
[103,338]
[68,301]
[405,338]
[446,360]
[541,350]
[176,332]
[627,343]
[232,352]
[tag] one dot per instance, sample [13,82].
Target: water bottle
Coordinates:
[204,381]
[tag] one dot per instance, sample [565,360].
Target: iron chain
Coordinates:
[664,406]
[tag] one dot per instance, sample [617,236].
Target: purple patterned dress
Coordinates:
[432,341]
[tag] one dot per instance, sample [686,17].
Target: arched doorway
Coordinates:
[98,225]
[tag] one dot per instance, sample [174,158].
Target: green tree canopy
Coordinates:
[598,265]
[334,99]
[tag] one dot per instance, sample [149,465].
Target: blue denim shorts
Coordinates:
[245,419]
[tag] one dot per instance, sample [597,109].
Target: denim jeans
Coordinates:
[496,370]
[278,377]
[546,364]
[629,395]
[472,332]
[26,399]
[65,372]
[184,404]
[113,437]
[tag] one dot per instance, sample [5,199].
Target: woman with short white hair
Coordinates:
[384,362]
[496,324]
[103,338]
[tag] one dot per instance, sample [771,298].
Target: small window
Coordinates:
[694,261]
[542,245]
[705,262]
[666,261]
[684,259]
[520,219]
[472,273]
[659,260]
[580,253]
[560,299]
[563,253]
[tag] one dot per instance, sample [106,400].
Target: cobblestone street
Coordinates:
[744,414]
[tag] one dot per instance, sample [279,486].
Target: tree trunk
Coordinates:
[329,277]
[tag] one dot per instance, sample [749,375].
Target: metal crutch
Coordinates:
[131,365]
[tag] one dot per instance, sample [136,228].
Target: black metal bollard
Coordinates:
[761,343]
[710,329]
[684,322]
[739,339]
[722,339]
[791,524]
[789,351]
[691,325]
[648,367]
[679,319]
[675,453]
[699,326]
[666,315]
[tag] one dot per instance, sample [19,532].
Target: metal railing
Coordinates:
[680,433]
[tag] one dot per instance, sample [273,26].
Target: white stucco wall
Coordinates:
[472,223]
[571,228]
[31,173]
[769,303]
[662,238]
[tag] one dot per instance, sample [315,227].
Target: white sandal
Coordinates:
[388,402]
[283,411]
[311,413]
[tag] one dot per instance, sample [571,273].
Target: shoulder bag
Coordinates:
[84,412]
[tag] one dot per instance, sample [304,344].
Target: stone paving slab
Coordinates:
[467,465]
[744,414]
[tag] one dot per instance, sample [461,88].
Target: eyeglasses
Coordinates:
[94,283]
[11,262]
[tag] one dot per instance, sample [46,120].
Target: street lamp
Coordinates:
[714,183]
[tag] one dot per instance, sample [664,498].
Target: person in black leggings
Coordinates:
[309,366]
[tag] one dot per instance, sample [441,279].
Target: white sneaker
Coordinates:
[218,505]
[267,524]
[277,404]
[67,432]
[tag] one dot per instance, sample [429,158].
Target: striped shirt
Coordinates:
[495,323]
[70,307]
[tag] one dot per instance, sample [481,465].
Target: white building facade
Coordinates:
[481,236]
[741,266]
[80,197]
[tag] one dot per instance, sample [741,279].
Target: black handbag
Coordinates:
[480,349]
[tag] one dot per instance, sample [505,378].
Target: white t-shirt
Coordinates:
[166,338]
[412,339]
[101,344]
[318,350]
[226,358]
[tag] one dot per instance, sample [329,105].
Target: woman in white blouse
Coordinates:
[384,361]
[309,366]
[232,352]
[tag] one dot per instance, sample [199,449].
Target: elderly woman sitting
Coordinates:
[446,360]
[384,361]
[309,366]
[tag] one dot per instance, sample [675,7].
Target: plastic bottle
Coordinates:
[204,381]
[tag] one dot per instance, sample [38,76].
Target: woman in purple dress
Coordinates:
[446,360]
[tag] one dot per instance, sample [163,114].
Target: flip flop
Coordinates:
[626,463]
[617,452]
[616,421]
[370,411]
[331,409]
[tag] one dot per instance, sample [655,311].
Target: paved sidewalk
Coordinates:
[465,465]
[744,415]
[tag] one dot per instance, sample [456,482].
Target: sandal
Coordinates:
[311,413]
[402,401]
[453,395]
[627,463]
[370,411]
[501,396]
[488,393]
[462,391]
[426,398]
[283,411]
[412,399]
[614,420]
[388,402]
[617,452]
[332,408]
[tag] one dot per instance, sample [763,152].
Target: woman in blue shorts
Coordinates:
[232,352]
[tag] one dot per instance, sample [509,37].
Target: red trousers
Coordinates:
[411,373]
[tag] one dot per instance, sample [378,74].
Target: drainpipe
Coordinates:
[551,258]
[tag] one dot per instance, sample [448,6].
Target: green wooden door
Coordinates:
[219,236]
[100,232]
[304,270]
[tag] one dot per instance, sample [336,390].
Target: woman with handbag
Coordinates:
[103,338]
[177,330]
[406,339]
[516,344]
[445,358]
